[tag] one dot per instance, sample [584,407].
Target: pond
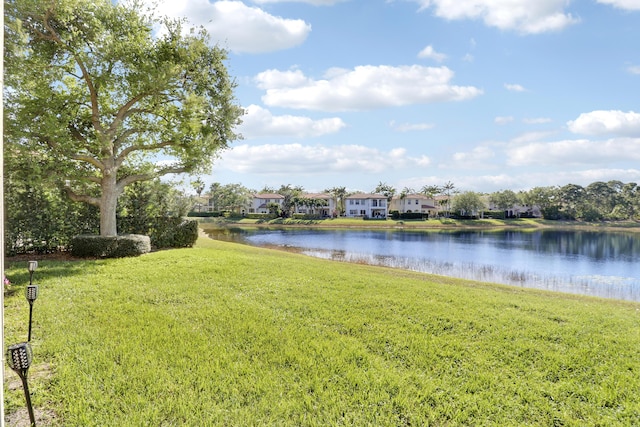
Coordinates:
[590,263]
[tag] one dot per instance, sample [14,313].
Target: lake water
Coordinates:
[591,263]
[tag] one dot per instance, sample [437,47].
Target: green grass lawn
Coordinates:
[232,335]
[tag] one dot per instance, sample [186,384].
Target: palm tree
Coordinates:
[430,190]
[386,190]
[447,189]
[339,194]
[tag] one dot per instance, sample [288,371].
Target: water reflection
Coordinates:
[598,264]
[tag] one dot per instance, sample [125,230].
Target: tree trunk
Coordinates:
[108,205]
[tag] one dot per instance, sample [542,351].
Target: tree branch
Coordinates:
[132,148]
[82,197]
[55,37]
[89,159]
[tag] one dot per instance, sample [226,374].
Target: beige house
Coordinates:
[414,203]
[260,202]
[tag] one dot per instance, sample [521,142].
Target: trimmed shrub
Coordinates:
[127,245]
[176,233]
[413,215]
[165,232]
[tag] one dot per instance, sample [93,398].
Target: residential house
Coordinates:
[318,204]
[414,203]
[261,202]
[366,205]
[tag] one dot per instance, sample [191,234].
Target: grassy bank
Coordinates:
[226,334]
[431,224]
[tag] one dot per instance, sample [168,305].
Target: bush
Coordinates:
[165,232]
[182,234]
[92,246]
[413,215]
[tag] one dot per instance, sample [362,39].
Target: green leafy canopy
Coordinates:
[101,90]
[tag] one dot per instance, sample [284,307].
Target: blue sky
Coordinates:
[487,94]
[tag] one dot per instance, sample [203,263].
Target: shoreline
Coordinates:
[426,225]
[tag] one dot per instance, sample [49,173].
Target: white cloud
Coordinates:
[524,16]
[476,158]
[313,2]
[430,53]
[408,127]
[536,120]
[503,120]
[574,152]
[634,69]
[365,87]
[259,122]
[531,137]
[238,27]
[514,87]
[604,122]
[622,4]
[316,159]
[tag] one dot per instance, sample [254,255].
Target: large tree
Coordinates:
[101,92]
[468,203]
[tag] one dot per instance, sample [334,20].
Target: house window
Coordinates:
[351,202]
[374,203]
[363,212]
[353,212]
[416,201]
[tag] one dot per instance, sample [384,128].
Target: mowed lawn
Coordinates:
[231,335]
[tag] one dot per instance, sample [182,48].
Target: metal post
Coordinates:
[19,357]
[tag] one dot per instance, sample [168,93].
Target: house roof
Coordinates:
[366,196]
[268,196]
[413,196]
[317,196]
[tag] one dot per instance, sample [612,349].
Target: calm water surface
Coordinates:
[590,263]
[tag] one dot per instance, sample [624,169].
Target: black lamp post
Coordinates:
[19,357]
[31,294]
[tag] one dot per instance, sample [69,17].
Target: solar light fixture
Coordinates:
[19,357]
[31,294]
[32,266]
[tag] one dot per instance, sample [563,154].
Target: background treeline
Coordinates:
[598,201]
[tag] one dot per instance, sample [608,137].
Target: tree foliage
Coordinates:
[97,97]
[229,196]
[504,199]
[468,203]
[386,190]
[339,195]
[611,200]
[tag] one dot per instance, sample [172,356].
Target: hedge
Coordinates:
[92,246]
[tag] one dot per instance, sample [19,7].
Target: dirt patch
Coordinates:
[20,418]
[55,256]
